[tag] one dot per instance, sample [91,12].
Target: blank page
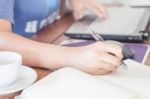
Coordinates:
[69,83]
[136,77]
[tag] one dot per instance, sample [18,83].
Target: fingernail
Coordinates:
[78,16]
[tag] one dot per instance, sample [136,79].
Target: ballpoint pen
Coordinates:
[97,37]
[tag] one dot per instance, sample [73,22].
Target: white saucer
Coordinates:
[26,77]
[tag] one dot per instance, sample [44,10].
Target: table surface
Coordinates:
[61,25]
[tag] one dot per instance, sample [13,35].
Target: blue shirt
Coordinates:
[29,16]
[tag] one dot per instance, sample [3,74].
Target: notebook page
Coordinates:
[69,83]
[136,78]
[123,21]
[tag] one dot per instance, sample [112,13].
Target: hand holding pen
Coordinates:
[97,37]
[94,58]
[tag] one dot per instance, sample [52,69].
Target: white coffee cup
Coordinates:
[10,64]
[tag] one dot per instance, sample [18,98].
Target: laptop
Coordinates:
[139,3]
[124,24]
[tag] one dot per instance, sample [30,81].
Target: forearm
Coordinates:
[34,54]
[92,59]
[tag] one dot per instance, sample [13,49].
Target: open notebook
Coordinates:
[69,83]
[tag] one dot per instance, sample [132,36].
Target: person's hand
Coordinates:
[80,6]
[96,58]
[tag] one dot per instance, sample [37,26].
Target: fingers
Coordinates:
[101,61]
[107,67]
[102,10]
[113,49]
[102,68]
[104,63]
[80,6]
[98,9]
[78,12]
[110,59]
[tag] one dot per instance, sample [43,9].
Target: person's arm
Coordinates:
[34,53]
[93,59]
[5,26]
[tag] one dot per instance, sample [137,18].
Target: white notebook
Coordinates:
[70,83]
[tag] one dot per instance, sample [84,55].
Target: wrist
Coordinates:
[73,56]
[54,57]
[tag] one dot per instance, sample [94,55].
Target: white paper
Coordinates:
[136,78]
[69,83]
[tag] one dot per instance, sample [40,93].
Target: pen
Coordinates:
[97,37]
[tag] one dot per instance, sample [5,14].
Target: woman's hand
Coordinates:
[80,6]
[96,58]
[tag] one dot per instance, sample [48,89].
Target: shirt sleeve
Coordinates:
[7,10]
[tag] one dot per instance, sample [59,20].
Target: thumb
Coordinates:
[78,12]
[77,15]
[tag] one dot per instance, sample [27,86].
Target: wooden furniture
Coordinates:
[61,25]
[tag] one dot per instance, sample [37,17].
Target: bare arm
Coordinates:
[5,26]
[34,53]
[94,58]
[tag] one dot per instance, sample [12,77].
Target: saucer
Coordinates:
[26,77]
